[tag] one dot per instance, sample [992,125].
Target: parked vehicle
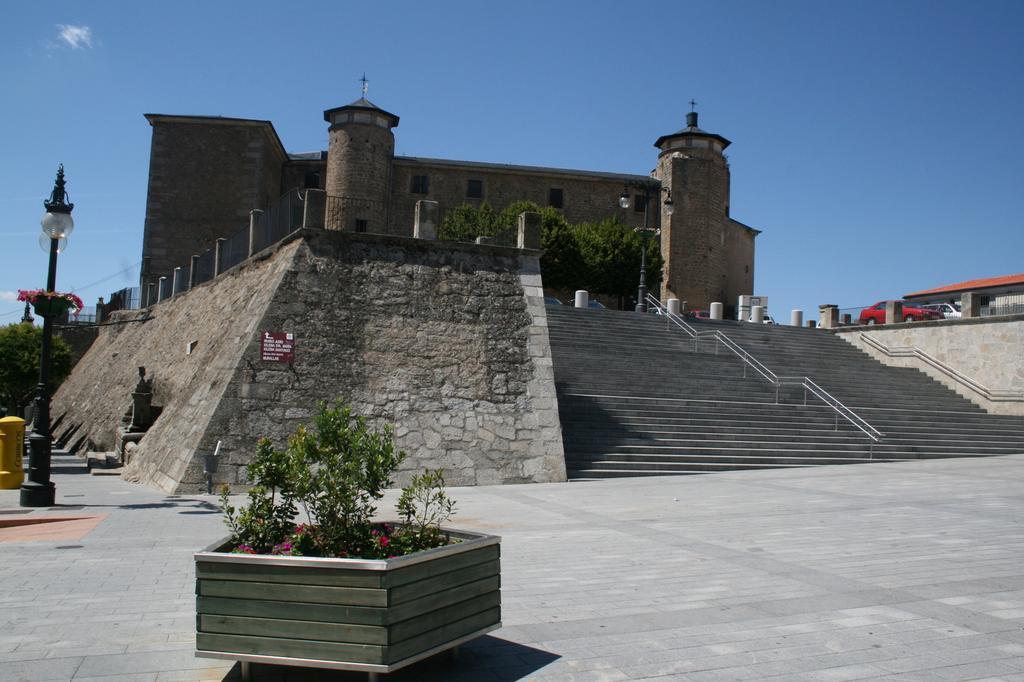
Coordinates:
[551,300]
[948,310]
[768,320]
[594,304]
[911,313]
[700,314]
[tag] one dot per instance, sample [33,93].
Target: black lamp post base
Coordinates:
[38,494]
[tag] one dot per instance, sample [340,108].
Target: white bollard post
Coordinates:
[716,311]
[757,314]
[673,306]
[582,298]
[796,318]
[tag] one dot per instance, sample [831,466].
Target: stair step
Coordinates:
[639,397]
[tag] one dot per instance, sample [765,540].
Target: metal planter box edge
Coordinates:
[371,615]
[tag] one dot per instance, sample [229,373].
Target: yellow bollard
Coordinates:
[12,449]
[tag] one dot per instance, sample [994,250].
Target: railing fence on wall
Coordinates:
[307,208]
[291,212]
[352,213]
[1002,304]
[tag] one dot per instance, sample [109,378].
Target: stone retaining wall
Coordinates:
[986,349]
[446,341]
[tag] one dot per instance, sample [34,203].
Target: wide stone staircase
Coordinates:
[638,396]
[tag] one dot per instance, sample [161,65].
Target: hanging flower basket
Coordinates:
[51,303]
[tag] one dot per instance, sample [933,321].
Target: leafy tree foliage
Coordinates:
[612,253]
[467,222]
[602,257]
[20,346]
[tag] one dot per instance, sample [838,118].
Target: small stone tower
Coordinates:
[358,184]
[693,238]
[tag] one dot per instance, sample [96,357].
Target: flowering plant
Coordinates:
[335,473]
[44,300]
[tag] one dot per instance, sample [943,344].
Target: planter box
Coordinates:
[348,614]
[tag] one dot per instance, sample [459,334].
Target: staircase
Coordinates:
[637,396]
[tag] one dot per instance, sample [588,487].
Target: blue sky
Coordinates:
[877,144]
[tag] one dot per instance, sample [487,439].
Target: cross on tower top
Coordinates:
[366,84]
[693,104]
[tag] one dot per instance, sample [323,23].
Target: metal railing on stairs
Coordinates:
[959,377]
[778,382]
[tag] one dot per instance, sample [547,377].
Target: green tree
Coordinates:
[561,265]
[466,222]
[20,346]
[611,253]
[602,257]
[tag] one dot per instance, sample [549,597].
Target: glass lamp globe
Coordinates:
[44,244]
[57,225]
[624,200]
[669,208]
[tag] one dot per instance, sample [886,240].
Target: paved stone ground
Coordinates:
[909,571]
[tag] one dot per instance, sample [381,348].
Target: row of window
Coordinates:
[420,184]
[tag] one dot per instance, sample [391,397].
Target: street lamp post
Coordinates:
[38,490]
[647,189]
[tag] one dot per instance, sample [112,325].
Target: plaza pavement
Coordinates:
[908,571]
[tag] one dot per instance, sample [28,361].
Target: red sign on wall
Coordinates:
[277,347]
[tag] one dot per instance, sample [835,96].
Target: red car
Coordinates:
[911,313]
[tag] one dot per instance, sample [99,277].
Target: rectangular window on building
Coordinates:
[475,189]
[311,181]
[638,203]
[420,184]
[360,225]
[555,197]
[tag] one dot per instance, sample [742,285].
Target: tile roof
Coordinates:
[984,283]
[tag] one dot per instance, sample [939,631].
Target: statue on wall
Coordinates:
[142,403]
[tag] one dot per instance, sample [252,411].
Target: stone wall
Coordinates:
[739,250]
[985,349]
[359,176]
[205,175]
[217,319]
[586,196]
[694,247]
[447,342]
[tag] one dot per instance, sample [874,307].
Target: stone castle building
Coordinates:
[207,174]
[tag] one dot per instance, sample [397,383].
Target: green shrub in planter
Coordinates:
[339,590]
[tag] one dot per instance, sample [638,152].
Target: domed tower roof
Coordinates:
[361,111]
[692,132]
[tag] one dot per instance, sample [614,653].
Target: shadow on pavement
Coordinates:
[484,659]
[190,506]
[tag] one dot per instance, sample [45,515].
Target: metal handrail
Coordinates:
[959,377]
[808,385]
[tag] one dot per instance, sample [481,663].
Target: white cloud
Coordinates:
[75,37]
[8,295]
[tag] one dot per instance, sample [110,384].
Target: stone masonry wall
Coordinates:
[739,255]
[358,176]
[218,318]
[986,349]
[694,248]
[447,342]
[586,197]
[205,176]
